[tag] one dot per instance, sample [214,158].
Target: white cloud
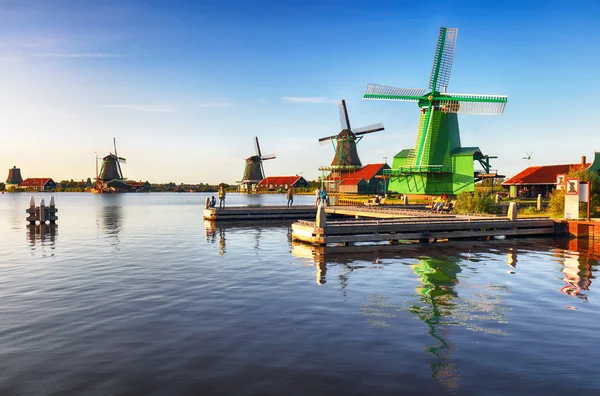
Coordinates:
[143,108]
[302,99]
[81,55]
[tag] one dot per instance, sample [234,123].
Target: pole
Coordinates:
[589,198]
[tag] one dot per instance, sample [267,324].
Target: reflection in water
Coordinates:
[111,216]
[212,231]
[511,259]
[42,237]
[438,277]
[579,258]
[436,301]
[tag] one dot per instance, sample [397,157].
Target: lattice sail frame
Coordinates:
[443,59]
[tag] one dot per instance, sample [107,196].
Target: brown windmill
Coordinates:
[346,156]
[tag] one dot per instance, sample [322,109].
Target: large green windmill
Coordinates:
[437,163]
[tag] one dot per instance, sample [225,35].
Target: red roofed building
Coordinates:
[367,180]
[38,184]
[282,182]
[542,179]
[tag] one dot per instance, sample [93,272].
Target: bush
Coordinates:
[475,202]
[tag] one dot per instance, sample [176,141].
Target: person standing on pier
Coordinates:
[324,196]
[221,196]
[290,195]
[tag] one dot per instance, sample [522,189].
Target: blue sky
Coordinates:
[185,86]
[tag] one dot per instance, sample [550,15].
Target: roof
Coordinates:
[367,172]
[279,180]
[351,181]
[402,154]
[35,182]
[540,174]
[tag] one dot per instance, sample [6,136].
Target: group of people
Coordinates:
[321,197]
[213,201]
[439,203]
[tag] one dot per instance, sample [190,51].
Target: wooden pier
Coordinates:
[381,212]
[422,229]
[256,213]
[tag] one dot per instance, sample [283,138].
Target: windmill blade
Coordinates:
[473,104]
[369,129]
[443,58]
[268,157]
[257,146]
[121,159]
[344,119]
[325,139]
[115,146]
[383,92]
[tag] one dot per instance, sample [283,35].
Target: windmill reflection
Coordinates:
[438,278]
[42,237]
[110,217]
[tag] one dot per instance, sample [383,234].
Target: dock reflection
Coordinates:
[42,238]
[216,232]
[436,301]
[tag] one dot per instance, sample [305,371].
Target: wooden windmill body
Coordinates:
[345,159]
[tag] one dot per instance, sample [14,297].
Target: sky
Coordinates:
[185,86]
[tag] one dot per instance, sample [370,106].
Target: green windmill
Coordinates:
[437,163]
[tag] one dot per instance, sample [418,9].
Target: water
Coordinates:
[134,294]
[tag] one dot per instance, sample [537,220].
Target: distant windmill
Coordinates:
[528,158]
[254,171]
[111,166]
[346,156]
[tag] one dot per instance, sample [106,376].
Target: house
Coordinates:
[367,180]
[542,179]
[38,184]
[282,182]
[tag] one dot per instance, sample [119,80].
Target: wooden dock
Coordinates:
[422,229]
[381,212]
[257,213]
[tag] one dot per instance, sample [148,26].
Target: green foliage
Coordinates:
[475,202]
[556,205]
[2,186]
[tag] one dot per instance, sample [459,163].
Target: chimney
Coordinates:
[583,160]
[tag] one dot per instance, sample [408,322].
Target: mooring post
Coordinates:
[31,211]
[207,203]
[539,202]
[498,198]
[42,212]
[321,220]
[404,200]
[52,211]
[512,211]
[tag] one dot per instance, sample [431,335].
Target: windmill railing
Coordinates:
[418,169]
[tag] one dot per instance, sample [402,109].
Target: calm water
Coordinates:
[135,295]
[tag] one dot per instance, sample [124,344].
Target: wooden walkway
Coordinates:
[258,213]
[422,229]
[380,212]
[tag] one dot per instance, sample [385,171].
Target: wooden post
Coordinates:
[404,200]
[539,202]
[512,211]
[42,212]
[31,211]
[321,220]
[589,200]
